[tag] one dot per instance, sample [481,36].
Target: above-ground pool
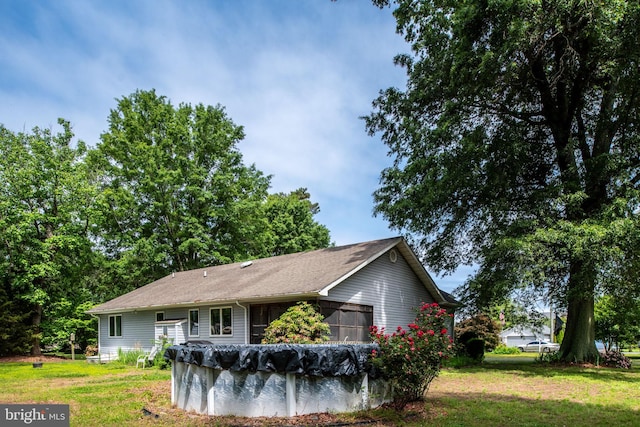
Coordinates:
[274,380]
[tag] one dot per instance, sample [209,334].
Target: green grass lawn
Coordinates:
[98,395]
[510,392]
[506,390]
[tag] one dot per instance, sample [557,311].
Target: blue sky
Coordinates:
[296,74]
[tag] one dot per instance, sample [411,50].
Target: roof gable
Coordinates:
[300,275]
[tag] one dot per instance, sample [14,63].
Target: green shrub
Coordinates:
[163,343]
[550,358]
[480,326]
[503,349]
[410,359]
[475,349]
[300,324]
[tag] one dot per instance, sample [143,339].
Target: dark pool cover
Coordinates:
[322,360]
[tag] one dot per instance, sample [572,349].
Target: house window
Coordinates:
[221,321]
[194,323]
[115,326]
[159,316]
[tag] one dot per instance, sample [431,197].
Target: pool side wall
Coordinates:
[271,394]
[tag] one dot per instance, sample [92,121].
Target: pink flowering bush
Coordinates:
[411,358]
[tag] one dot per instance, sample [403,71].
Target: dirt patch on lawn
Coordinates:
[157,408]
[149,415]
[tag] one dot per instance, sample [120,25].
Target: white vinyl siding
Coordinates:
[139,329]
[392,289]
[137,333]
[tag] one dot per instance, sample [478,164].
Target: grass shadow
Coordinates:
[532,369]
[479,409]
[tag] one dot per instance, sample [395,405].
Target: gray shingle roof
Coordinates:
[303,275]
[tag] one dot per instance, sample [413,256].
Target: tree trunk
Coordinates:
[35,333]
[578,344]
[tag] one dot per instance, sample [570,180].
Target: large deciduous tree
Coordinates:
[291,223]
[516,147]
[176,194]
[45,215]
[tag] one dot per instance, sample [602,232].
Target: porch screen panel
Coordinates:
[350,322]
[262,315]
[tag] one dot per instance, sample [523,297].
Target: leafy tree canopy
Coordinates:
[166,189]
[617,321]
[175,192]
[515,146]
[514,314]
[45,213]
[291,223]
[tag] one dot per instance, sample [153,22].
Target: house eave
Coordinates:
[447,304]
[190,304]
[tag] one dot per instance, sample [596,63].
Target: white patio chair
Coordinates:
[147,357]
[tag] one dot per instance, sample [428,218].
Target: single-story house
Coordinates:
[520,335]
[356,286]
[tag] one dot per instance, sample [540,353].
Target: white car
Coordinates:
[540,347]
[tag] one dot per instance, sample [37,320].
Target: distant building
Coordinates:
[518,335]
